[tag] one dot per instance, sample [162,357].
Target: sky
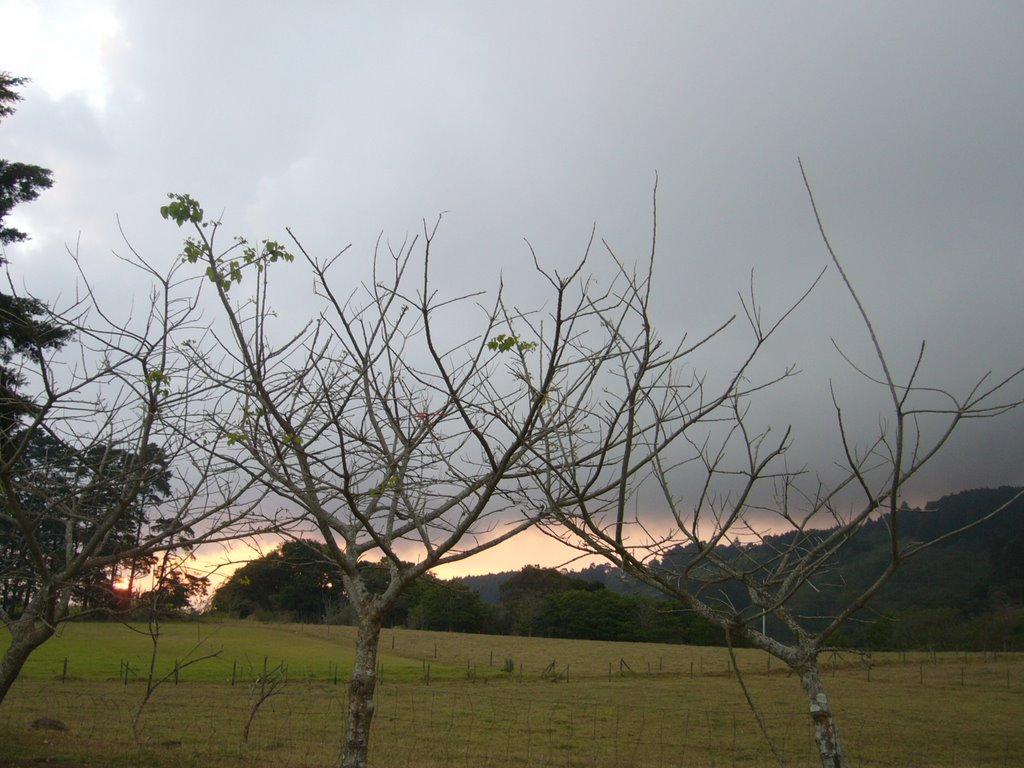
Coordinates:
[540,121]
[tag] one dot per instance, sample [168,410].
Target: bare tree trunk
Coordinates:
[28,632]
[826,733]
[361,689]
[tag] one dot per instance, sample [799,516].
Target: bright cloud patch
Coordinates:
[64,47]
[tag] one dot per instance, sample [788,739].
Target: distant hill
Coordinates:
[965,591]
[488,585]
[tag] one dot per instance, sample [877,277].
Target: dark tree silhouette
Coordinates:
[98,464]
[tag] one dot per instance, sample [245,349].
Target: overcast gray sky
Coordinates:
[536,120]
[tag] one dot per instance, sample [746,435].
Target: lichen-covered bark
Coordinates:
[826,734]
[360,692]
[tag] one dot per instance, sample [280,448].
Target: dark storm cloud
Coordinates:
[538,119]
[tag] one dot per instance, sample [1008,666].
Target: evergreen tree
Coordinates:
[23,329]
[89,450]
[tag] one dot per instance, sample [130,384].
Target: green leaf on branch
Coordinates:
[234,438]
[182,208]
[160,382]
[274,251]
[193,251]
[390,484]
[221,271]
[504,343]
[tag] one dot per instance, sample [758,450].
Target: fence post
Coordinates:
[64,673]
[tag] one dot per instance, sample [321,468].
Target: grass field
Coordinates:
[445,700]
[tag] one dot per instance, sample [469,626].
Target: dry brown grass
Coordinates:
[952,710]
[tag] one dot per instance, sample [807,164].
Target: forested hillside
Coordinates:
[967,591]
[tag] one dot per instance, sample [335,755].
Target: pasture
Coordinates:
[478,700]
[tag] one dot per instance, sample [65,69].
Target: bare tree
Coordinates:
[744,534]
[168,571]
[401,448]
[99,459]
[267,684]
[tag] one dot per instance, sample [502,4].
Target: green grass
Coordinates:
[99,651]
[680,706]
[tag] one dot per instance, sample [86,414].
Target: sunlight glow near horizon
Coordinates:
[531,547]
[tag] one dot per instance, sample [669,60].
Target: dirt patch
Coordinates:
[47,724]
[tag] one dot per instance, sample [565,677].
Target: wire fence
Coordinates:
[907,712]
